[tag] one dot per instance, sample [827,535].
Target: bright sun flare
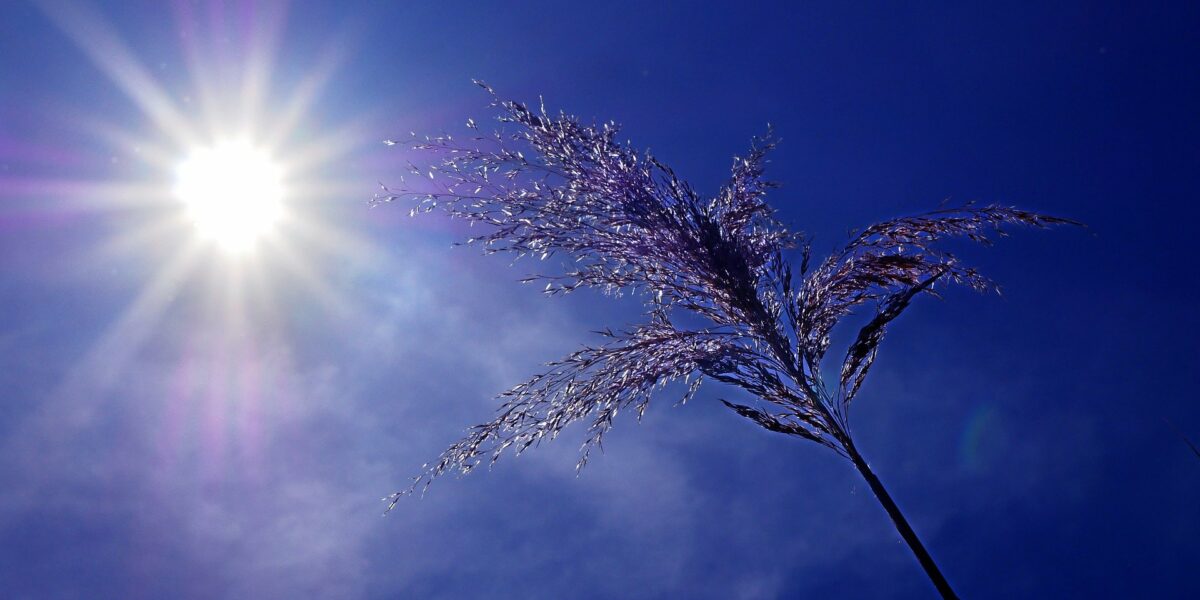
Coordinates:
[233,193]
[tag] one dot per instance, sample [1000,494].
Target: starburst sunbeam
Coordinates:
[223,193]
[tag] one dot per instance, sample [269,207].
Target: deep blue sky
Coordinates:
[226,429]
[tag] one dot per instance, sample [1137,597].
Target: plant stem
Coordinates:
[906,531]
[842,435]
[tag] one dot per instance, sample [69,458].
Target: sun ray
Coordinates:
[329,240]
[101,367]
[301,99]
[158,154]
[333,54]
[268,24]
[157,233]
[92,34]
[84,195]
[200,69]
[332,145]
[298,269]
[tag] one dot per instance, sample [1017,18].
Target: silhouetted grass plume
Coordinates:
[553,185]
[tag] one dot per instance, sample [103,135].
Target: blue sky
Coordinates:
[178,422]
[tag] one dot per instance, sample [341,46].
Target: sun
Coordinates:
[233,193]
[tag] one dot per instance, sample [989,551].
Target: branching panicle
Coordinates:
[556,186]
